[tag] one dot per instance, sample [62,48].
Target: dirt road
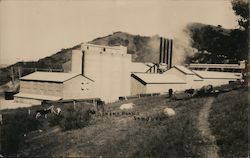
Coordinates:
[209,149]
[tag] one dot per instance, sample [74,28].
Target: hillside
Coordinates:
[118,134]
[142,48]
[216,44]
[229,123]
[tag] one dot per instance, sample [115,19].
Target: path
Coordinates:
[209,148]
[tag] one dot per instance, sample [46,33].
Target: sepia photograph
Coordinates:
[124,78]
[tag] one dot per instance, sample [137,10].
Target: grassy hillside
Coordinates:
[121,135]
[229,123]
[142,48]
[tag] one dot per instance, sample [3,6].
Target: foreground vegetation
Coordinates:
[229,123]
[122,136]
[77,133]
[17,123]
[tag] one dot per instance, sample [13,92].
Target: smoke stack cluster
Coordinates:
[166,51]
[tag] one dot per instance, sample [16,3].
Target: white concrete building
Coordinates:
[192,79]
[179,78]
[142,83]
[39,86]
[108,66]
[218,78]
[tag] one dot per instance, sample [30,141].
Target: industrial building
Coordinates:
[94,72]
[108,66]
[142,83]
[39,86]
[192,80]
[107,73]
[218,78]
[238,68]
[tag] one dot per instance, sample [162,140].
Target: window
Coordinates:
[87,47]
[104,49]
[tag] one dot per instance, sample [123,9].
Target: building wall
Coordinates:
[99,48]
[191,79]
[42,88]
[161,88]
[78,88]
[109,67]
[111,73]
[137,87]
[217,82]
[28,101]
[192,82]
[76,61]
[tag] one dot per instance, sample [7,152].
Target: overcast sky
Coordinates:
[30,30]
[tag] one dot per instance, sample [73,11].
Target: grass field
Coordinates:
[123,136]
[229,123]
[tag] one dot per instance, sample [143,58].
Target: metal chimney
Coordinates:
[170,53]
[167,54]
[83,58]
[164,51]
[160,56]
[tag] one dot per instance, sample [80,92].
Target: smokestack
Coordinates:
[170,53]
[160,49]
[83,57]
[164,51]
[167,54]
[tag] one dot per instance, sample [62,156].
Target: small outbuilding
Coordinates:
[39,86]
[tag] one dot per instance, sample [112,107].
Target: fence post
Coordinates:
[95,104]
[74,105]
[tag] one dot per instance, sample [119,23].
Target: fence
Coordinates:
[139,96]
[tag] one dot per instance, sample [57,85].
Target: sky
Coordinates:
[30,30]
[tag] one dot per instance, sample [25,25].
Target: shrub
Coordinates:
[55,120]
[14,127]
[75,119]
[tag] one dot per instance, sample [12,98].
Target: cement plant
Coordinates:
[126,95]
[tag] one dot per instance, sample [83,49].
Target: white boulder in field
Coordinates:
[127,106]
[169,112]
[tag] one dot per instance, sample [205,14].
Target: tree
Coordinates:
[241,8]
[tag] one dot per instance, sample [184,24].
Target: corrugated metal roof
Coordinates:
[184,69]
[218,75]
[158,78]
[37,96]
[49,76]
